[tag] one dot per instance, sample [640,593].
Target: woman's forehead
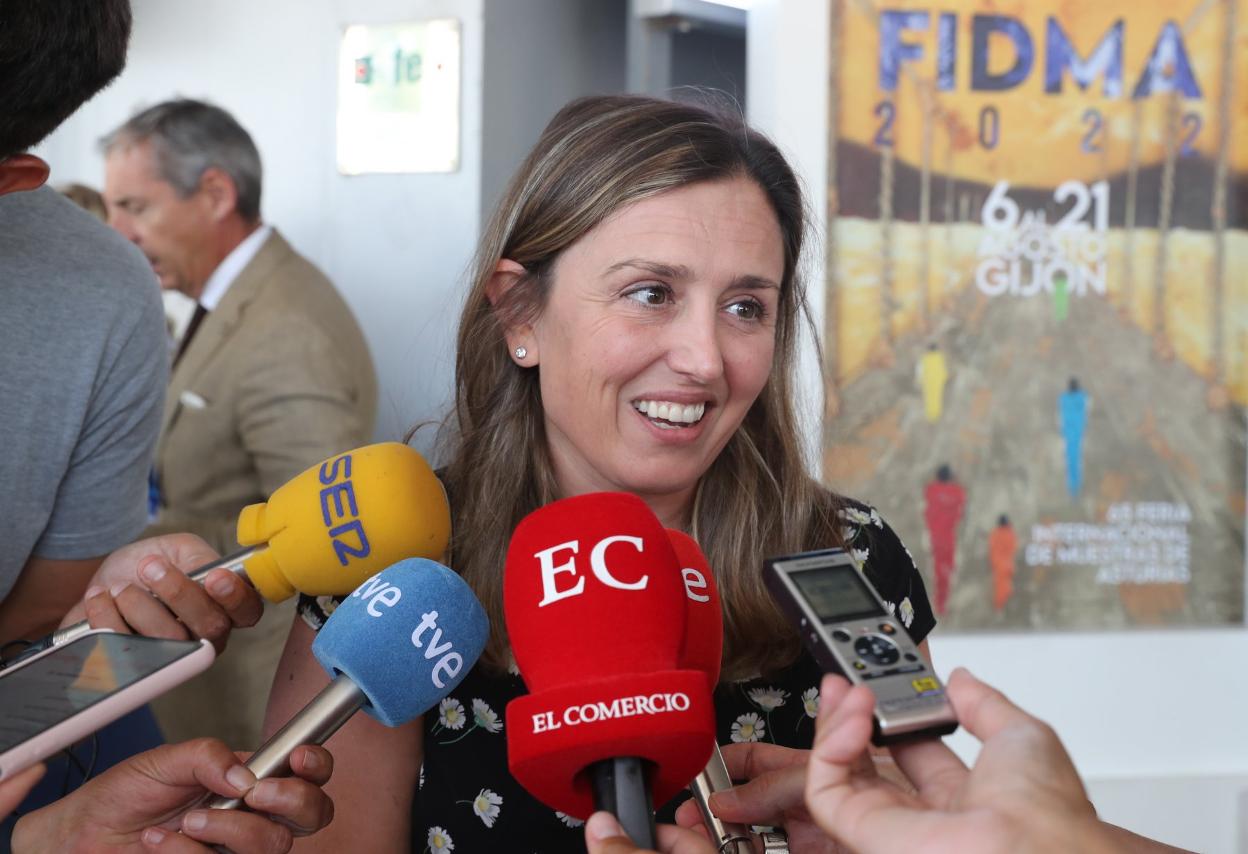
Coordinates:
[688,227]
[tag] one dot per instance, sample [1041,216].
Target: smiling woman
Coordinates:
[648,366]
[631,326]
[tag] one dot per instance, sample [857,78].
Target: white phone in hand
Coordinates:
[62,695]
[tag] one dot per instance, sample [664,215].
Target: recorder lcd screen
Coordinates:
[837,593]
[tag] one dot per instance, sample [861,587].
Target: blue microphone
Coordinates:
[394,648]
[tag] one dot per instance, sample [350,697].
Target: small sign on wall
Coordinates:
[398,98]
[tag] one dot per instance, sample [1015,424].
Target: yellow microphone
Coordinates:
[334,526]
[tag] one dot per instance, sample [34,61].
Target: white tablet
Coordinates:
[62,695]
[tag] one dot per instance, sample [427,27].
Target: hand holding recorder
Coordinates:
[1023,794]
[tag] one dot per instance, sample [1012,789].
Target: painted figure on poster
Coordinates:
[932,374]
[1002,547]
[1072,416]
[1061,297]
[943,502]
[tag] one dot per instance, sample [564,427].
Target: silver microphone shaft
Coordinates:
[728,838]
[234,563]
[314,724]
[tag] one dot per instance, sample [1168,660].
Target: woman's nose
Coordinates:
[694,347]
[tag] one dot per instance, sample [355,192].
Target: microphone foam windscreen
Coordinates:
[595,609]
[344,520]
[596,566]
[407,636]
[704,617]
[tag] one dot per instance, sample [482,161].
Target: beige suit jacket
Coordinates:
[276,379]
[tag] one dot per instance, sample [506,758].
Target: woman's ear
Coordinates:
[521,342]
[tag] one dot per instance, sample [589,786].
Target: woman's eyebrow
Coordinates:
[666,271]
[679,272]
[754,283]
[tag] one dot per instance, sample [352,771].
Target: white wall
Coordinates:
[395,245]
[540,54]
[1156,720]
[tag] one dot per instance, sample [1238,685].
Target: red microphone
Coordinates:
[703,650]
[595,606]
[703,647]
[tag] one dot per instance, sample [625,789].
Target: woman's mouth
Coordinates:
[669,415]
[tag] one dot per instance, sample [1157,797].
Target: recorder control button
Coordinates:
[841,635]
[858,665]
[910,656]
[877,649]
[888,628]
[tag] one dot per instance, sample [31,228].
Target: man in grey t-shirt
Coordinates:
[82,367]
[81,331]
[83,347]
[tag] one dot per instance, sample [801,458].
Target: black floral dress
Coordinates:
[468,801]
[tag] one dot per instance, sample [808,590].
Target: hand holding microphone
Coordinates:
[135,806]
[595,610]
[143,588]
[394,648]
[703,650]
[322,533]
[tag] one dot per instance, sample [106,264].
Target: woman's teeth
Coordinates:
[675,413]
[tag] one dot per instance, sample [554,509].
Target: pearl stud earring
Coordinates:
[521,352]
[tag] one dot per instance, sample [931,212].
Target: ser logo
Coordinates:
[338,505]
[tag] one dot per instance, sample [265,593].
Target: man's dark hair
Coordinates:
[55,55]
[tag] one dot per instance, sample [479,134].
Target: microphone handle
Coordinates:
[313,724]
[234,563]
[621,786]
[728,837]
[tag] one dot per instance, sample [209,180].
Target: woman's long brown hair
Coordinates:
[757,499]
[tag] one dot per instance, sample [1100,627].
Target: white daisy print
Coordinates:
[892,609]
[421,784]
[451,714]
[907,612]
[485,717]
[876,520]
[810,702]
[858,517]
[512,667]
[486,805]
[768,699]
[859,557]
[439,841]
[568,820]
[748,727]
[912,561]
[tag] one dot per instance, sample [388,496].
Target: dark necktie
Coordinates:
[196,319]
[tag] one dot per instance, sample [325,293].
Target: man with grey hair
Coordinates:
[272,376]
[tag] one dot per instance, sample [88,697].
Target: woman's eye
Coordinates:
[747,310]
[650,295]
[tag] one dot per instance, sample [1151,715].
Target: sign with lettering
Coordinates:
[398,98]
[1037,302]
